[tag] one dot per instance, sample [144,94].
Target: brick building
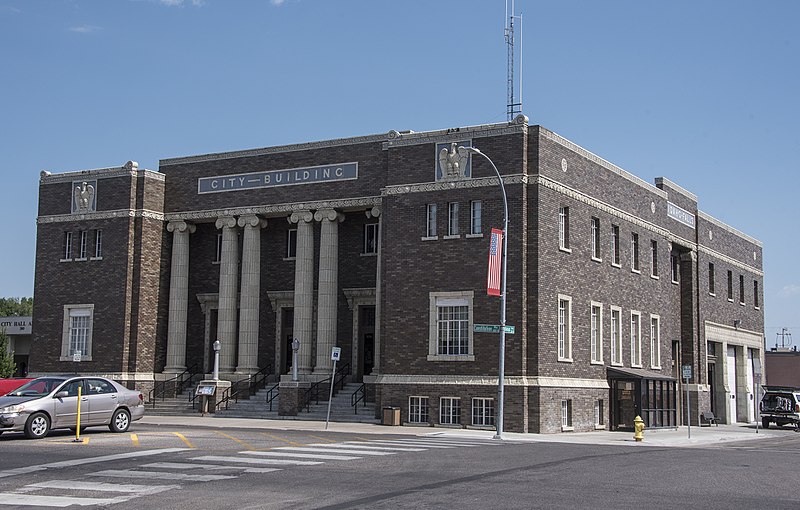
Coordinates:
[378,245]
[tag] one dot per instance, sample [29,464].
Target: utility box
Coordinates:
[391,416]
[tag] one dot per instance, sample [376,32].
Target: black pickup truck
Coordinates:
[781,406]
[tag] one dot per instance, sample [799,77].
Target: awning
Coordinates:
[636,373]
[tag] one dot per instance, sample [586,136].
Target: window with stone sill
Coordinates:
[77,327]
[563,228]
[67,247]
[450,411]
[418,409]
[450,336]
[291,243]
[616,335]
[635,267]
[98,244]
[564,328]
[615,257]
[566,414]
[596,333]
[370,239]
[83,244]
[636,339]
[655,341]
[595,233]
[430,222]
[475,217]
[483,412]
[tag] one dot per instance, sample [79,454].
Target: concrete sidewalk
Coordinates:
[701,436]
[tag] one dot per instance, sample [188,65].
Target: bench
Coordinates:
[707,418]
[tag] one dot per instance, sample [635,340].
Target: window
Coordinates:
[655,341]
[566,414]
[711,278]
[616,336]
[218,251]
[596,239]
[431,222]
[596,333]
[291,243]
[675,268]
[563,228]
[755,293]
[635,252]
[450,411]
[475,217]
[370,238]
[418,409]
[98,244]
[730,286]
[564,328]
[84,239]
[636,339]
[451,326]
[483,412]
[741,289]
[599,414]
[67,246]
[615,245]
[452,219]
[77,332]
[654,258]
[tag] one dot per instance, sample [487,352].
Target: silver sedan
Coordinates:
[52,402]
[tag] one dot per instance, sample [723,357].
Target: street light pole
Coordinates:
[502,356]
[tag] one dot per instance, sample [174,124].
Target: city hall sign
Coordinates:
[273,178]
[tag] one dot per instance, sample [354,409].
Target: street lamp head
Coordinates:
[217,346]
[471,150]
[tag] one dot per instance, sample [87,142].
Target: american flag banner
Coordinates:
[495,258]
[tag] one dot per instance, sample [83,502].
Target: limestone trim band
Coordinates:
[277,210]
[101,215]
[465,380]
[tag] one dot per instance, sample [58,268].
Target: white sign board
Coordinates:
[687,371]
[76,356]
[336,353]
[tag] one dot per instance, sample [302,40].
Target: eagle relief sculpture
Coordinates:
[84,197]
[453,162]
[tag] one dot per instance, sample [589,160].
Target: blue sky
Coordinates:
[704,93]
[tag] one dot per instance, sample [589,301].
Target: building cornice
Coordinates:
[101,215]
[518,125]
[424,187]
[730,260]
[728,228]
[277,209]
[439,380]
[683,191]
[129,169]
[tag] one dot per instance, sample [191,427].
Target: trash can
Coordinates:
[391,416]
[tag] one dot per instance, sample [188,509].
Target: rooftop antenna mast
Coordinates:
[513,107]
[785,338]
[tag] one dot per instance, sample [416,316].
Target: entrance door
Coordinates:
[367,336]
[751,407]
[287,333]
[732,416]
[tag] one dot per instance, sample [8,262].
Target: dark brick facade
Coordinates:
[129,288]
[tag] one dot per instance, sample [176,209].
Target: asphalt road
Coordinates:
[154,467]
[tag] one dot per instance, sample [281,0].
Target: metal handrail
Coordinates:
[272,394]
[360,395]
[159,390]
[340,377]
[244,388]
[312,393]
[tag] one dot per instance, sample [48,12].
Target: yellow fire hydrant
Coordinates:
[638,428]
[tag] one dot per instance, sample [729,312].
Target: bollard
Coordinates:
[638,427]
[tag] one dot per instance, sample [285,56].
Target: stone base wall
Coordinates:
[546,417]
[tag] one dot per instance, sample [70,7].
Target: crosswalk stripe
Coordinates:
[243,460]
[102,486]
[160,475]
[332,449]
[302,455]
[9,498]
[363,446]
[88,460]
[188,465]
[411,443]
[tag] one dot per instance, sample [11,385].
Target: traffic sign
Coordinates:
[76,356]
[336,353]
[687,371]
[491,328]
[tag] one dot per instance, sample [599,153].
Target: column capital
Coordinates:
[329,214]
[252,220]
[374,212]
[299,216]
[226,221]
[180,226]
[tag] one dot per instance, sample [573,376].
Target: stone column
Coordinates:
[375,212]
[251,280]
[328,287]
[228,285]
[178,296]
[304,288]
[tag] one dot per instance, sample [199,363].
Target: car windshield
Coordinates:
[36,388]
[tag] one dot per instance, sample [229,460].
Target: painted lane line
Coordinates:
[282,440]
[183,438]
[9,498]
[91,460]
[186,465]
[160,475]
[242,460]
[302,455]
[330,449]
[102,486]
[243,443]
[358,445]
[135,440]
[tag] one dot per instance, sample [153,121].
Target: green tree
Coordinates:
[7,365]
[16,307]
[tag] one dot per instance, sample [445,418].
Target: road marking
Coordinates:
[9,498]
[302,455]
[102,486]
[183,438]
[135,439]
[90,460]
[274,462]
[330,449]
[243,443]
[160,475]
[361,446]
[187,465]
[410,443]
[321,439]
[282,439]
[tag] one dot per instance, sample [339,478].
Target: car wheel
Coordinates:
[765,422]
[120,421]
[37,426]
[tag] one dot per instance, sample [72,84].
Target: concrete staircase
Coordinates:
[172,406]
